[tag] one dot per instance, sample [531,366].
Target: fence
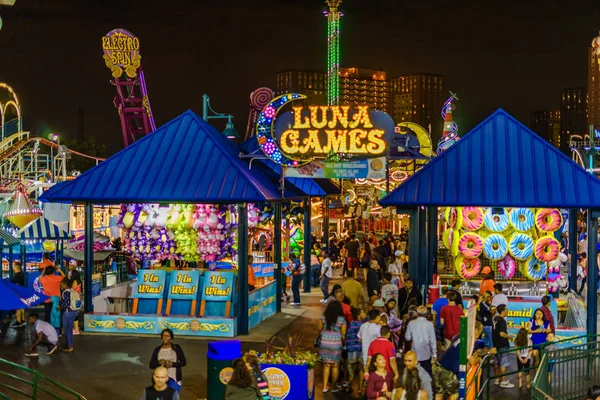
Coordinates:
[17,380]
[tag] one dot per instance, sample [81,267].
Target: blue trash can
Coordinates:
[219,357]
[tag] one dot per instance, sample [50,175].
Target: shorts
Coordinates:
[503,359]
[522,366]
[445,381]
[352,262]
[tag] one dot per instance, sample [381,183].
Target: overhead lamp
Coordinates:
[230,132]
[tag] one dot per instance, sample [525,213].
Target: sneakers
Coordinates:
[497,382]
[52,350]
[294,304]
[322,301]
[18,325]
[506,384]
[68,350]
[31,354]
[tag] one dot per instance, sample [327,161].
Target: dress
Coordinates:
[538,338]
[331,342]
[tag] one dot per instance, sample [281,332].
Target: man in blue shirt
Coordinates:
[437,309]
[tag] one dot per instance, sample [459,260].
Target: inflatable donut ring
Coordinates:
[470,245]
[534,269]
[453,242]
[472,218]
[522,219]
[495,222]
[546,249]
[507,267]
[548,219]
[467,269]
[520,246]
[495,247]
[454,217]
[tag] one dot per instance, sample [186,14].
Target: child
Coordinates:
[354,362]
[286,272]
[550,338]
[524,357]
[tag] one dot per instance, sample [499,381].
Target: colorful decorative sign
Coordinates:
[520,312]
[261,304]
[279,382]
[296,138]
[150,284]
[290,382]
[373,168]
[96,284]
[264,270]
[121,52]
[184,285]
[218,286]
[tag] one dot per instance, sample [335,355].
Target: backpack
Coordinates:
[75,300]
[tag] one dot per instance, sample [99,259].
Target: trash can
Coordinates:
[219,357]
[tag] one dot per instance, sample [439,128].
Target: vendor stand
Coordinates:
[187,163]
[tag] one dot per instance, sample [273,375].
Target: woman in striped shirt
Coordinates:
[252,362]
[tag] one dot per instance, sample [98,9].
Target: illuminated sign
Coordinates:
[150,284]
[297,137]
[218,286]
[184,285]
[121,52]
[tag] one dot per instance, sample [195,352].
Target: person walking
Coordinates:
[395,268]
[405,294]
[373,283]
[352,248]
[383,345]
[51,285]
[354,361]
[366,256]
[450,319]
[45,335]
[421,333]
[159,390]
[369,331]
[242,385]
[380,383]
[297,274]
[501,343]
[326,275]
[70,304]
[315,268]
[353,290]
[389,291]
[333,335]
[169,355]
[18,279]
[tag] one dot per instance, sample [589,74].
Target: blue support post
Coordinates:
[326,222]
[88,257]
[413,246]
[307,244]
[432,243]
[242,239]
[422,266]
[592,282]
[573,249]
[277,255]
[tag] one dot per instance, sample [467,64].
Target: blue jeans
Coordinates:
[296,282]
[315,272]
[487,336]
[68,319]
[325,287]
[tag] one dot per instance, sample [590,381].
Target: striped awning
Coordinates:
[7,240]
[43,229]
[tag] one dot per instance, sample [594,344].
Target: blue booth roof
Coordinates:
[500,163]
[185,160]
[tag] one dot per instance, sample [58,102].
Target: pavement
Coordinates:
[115,366]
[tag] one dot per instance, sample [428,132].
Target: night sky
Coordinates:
[511,54]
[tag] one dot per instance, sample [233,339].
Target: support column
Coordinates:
[423,266]
[413,246]
[432,242]
[277,255]
[326,222]
[88,257]
[10,263]
[307,244]
[242,242]
[592,276]
[573,249]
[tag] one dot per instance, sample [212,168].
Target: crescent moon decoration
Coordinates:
[422,136]
[264,130]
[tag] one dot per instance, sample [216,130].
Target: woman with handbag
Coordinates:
[331,343]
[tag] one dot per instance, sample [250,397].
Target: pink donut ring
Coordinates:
[546,249]
[548,219]
[472,218]
[470,245]
[468,269]
[507,267]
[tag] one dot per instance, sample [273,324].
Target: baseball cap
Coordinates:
[378,303]
[399,253]
[486,270]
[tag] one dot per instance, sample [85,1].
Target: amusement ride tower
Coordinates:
[333,51]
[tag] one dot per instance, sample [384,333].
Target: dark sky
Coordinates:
[511,54]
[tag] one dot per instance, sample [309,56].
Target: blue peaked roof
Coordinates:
[500,163]
[185,160]
[43,229]
[312,187]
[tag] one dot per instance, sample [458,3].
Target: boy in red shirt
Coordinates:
[450,319]
[383,346]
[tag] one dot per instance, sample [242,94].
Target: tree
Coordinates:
[88,146]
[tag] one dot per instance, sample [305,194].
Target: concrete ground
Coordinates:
[116,366]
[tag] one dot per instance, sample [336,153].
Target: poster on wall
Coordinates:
[150,284]
[373,168]
[184,285]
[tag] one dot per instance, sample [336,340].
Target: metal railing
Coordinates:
[16,379]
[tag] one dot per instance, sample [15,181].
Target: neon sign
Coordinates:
[121,52]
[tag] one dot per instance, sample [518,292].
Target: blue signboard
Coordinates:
[96,284]
[212,266]
[218,286]
[264,270]
[290,382]
[184,285]
[520,312]
[261,304]
[150,284]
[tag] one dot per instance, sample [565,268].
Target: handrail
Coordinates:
[38,378]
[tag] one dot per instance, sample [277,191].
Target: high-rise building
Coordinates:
[418,98]
[360,86]
[546,123]
[312,84]
[573,115]
[593,89]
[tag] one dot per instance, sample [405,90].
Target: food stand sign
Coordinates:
[218,286]
[313,132]
[184,285]
[121,52]
[150,284]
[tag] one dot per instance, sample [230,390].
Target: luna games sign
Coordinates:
[121,52]
[297,137]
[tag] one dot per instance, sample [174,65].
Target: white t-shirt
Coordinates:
[48,330]
[500,299]
[395,270]
[169,355]
[367,334]
[326,266]
[389,291]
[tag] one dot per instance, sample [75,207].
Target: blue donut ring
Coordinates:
[522,219]
[521,246]
[495,247]
[495,222]
[535,269]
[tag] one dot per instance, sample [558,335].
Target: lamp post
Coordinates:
[230,132]
[54,138]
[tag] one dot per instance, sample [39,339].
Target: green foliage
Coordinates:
[88,146]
